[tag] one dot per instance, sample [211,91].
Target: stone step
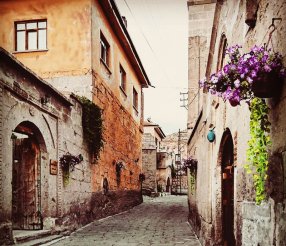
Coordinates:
[27,235]
[34,237]
[40,241]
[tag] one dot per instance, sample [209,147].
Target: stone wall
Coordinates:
[201,14]
[58,123]
[99,206]
[122,142]
[149,168]
[253,224]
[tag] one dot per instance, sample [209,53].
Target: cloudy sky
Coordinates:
[159,29]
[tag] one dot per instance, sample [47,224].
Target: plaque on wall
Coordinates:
[53,167]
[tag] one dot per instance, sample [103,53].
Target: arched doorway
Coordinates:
[28,144]
[227,189]
[168,185]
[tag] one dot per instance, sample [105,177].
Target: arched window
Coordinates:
[221,52]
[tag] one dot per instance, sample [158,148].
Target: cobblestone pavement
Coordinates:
[157,221]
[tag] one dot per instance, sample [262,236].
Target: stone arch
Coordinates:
[225,190]
[29,128]
[28,148]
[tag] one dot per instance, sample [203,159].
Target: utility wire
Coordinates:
[147,41]
[194,97]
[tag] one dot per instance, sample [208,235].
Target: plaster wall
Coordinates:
[63,56]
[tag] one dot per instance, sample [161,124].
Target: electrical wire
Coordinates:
[146,39]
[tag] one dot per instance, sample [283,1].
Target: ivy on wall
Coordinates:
[258,145]
[92,124]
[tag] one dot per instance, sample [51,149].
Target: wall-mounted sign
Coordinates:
[53,167]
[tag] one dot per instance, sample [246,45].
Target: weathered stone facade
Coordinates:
[23,112]
[247,223]
[72,63]
[151,152]
[170,146]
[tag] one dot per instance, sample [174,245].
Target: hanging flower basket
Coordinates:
[68,161]
[269,85]
[259,73]
[190,163]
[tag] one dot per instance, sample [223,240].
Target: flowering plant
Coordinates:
[235,81]
[190,163]
[69,161]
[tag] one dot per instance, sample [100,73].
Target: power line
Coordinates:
[147,41]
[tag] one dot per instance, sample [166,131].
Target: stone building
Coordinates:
[222,204]
[33,133]
[170,145]
[153,159]
[87,52]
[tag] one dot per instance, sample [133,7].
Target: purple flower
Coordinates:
[227,94]
[250,80]
[202,82]
[214,79]
[242,76]
[255,48]
[264,58]
[232,67]
[235,98]
[236,83]
[267,68]
[253,74]
[212,91]
[226,68]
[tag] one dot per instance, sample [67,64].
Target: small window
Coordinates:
[31,35]
[104,50]
[222,52]
[122,78]
[135,99]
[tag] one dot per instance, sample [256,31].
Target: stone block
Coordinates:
[248,210]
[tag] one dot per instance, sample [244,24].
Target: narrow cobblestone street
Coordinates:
[158,221]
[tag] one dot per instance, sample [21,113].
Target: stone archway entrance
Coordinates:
[28,144]
[227,190]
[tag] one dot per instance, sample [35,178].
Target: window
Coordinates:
[31,35]
[135,99]
[104,50]
[222,51]
[122,78]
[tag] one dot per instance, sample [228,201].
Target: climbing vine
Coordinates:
[92,124]
[258,145]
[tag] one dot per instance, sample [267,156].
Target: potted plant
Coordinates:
[190,163]
[259,73]
[68,162]
[118,168]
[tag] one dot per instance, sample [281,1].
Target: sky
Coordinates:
[159,31]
